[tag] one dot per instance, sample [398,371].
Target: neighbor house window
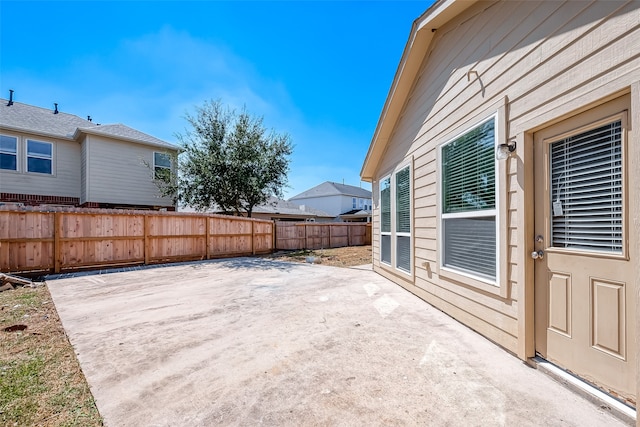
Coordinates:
[468,205]
[353,203]
[39,157]
[8,153]
[385,220]
[361,201]
[162,166]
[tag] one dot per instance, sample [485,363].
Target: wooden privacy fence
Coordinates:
[67,239]
[313,235]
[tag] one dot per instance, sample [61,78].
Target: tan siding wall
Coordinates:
[65,180]
[549,59]
[124,178]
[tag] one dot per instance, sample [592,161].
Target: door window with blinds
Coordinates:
[586,190]
[395,219]
[468,205]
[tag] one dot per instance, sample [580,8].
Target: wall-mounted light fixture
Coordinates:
[503,151]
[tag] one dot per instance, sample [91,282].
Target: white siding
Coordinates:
[65,180]
[549,59]
[333,205]
[117,173]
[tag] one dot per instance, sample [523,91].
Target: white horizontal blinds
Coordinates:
[471,245]
[403,219]
[469,171]
[586,190]
[469,202]
[385,220]
[403,253]
[385,248]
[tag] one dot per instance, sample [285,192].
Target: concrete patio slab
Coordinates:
[254,341]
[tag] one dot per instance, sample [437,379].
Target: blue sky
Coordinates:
[319,71]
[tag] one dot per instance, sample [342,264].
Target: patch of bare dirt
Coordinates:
[337,257]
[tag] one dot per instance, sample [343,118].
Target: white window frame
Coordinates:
[394,215]
[387,233]
[156,166]
[496,212]
[16,154]
[38,156]
[393,233]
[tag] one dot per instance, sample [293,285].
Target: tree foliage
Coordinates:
[229,161]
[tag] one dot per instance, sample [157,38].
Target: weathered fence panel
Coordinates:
[310,235]
[62,239]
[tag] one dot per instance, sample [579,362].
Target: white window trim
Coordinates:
[27,156]
[386,233]
[408,163]
[395,222]
[496,285]
[17,154]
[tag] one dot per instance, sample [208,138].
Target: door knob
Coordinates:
[537,254]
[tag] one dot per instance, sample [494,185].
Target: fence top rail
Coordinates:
[124,212]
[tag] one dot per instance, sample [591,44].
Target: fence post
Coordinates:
[253,237]
[57,231]
[306,243]
[146,239]
[273,236]
[330,227]
[348,234]
[207,232]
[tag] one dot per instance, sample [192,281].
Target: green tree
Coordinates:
[228,160]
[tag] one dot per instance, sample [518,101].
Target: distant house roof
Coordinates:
[44,121]
[329,188]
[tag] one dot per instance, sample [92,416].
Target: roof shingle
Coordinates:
[43,121]
[329,188]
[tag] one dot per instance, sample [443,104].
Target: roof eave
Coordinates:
[39,133]
[420,37]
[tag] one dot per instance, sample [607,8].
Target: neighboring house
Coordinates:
[55,158]
[345,202]
[506,176]
[280,210]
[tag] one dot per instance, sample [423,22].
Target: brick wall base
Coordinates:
[38,199]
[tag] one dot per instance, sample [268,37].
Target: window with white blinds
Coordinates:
[403,219]
[468,208]
[385,220]
[395,219]
[586,190]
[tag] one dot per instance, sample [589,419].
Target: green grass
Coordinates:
[20,384]
[41,382]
